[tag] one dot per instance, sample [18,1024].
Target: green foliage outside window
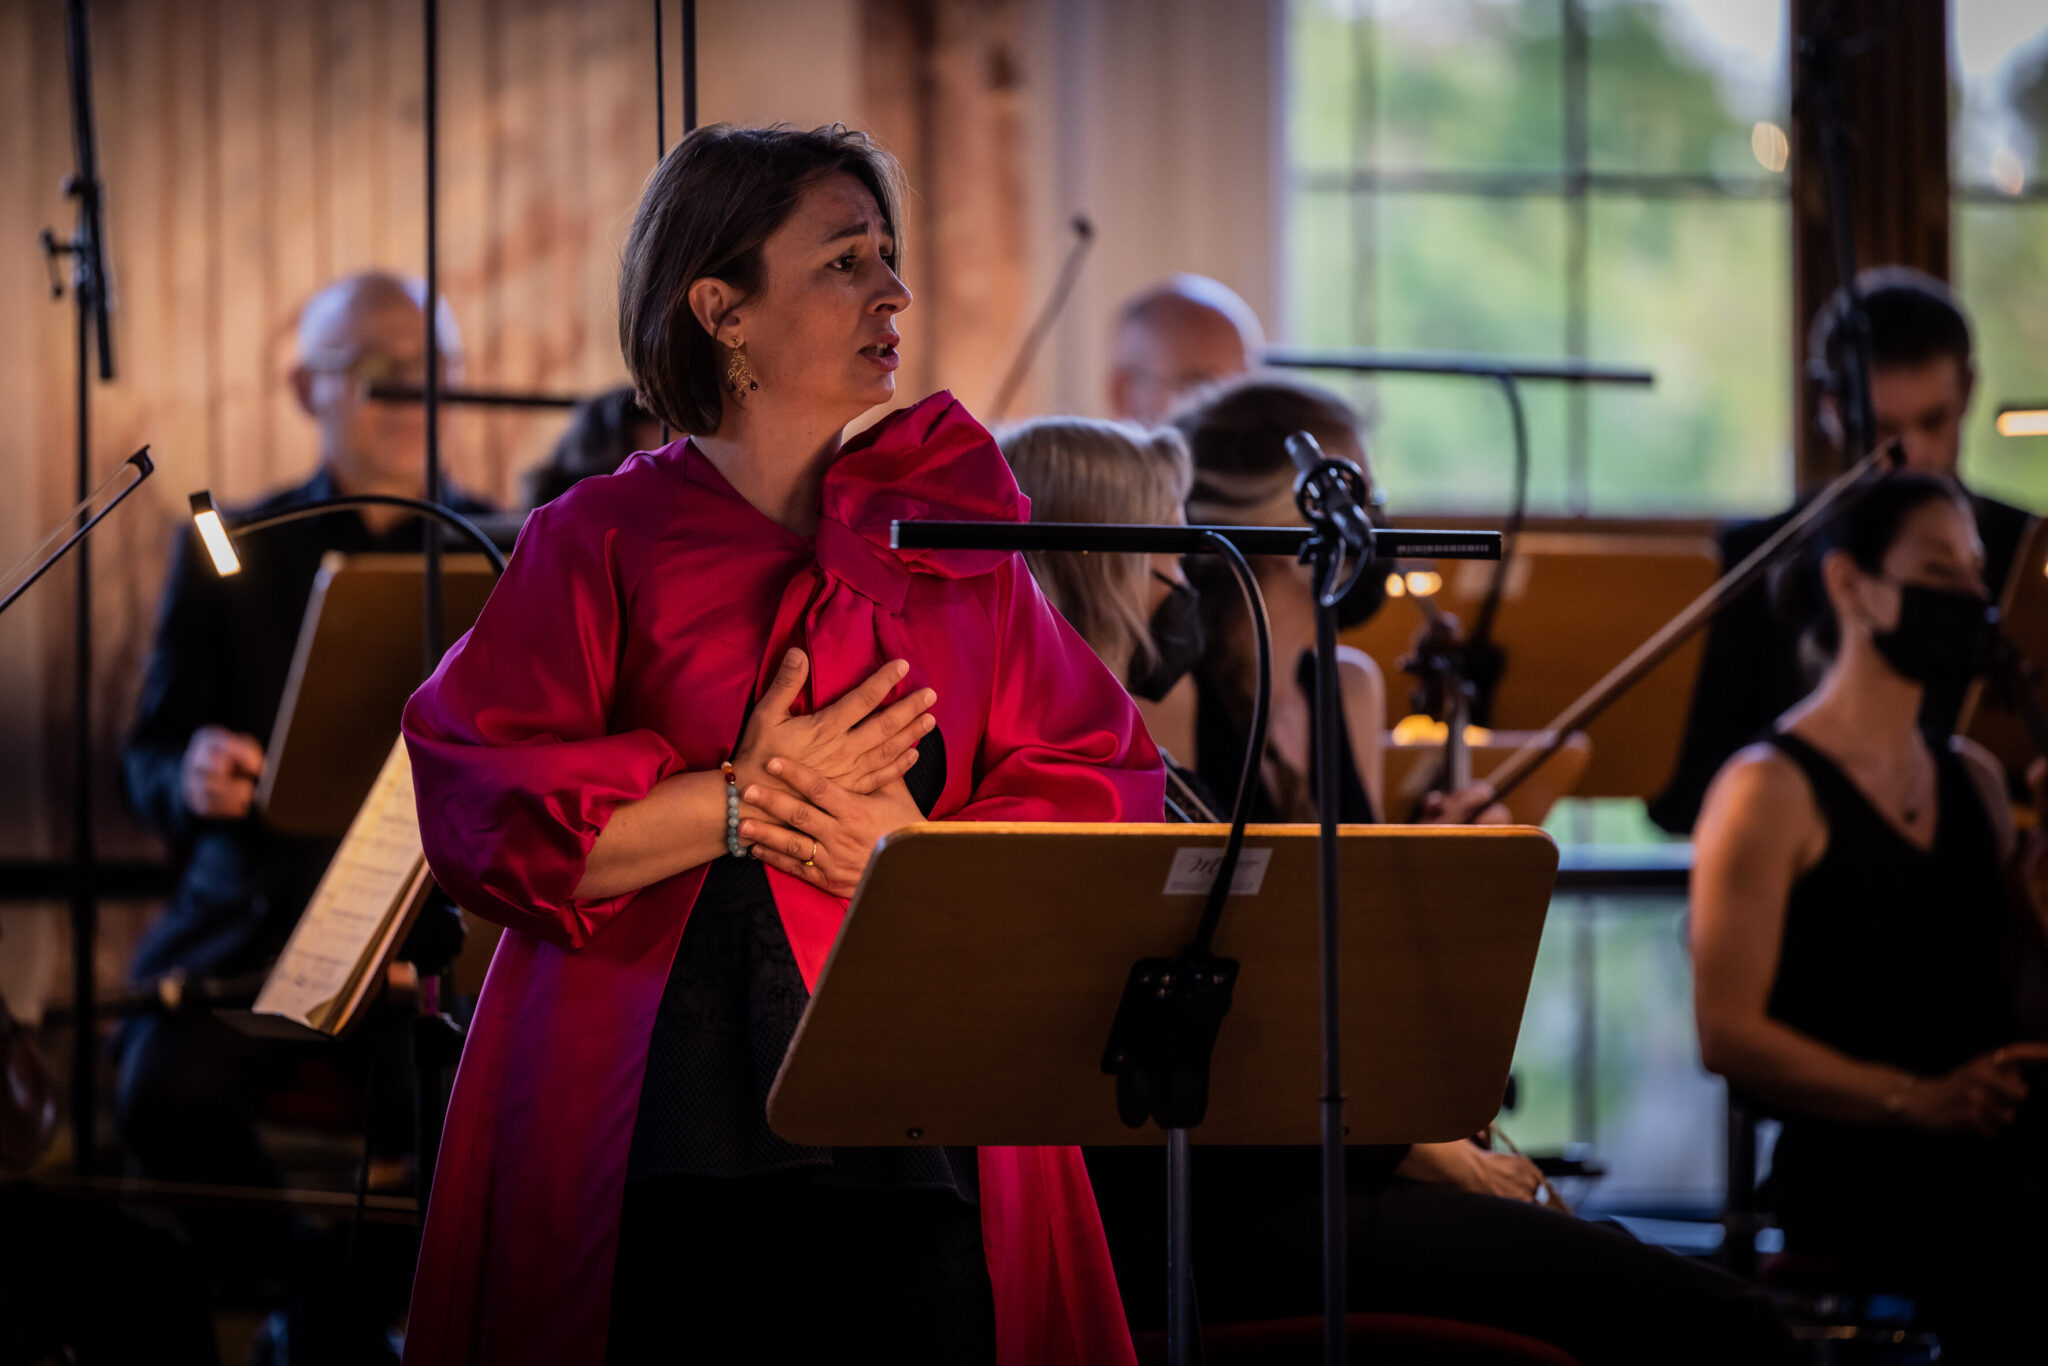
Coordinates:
[1463,182]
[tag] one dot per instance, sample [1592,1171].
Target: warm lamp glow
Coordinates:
[215,534]
[1424,583]
[1772,148]
[1395,588]
[2023,421]
[2008,173]
[1416,729]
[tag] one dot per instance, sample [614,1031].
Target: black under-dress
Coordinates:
[738,1246]
[1905,956]
[1415,1248]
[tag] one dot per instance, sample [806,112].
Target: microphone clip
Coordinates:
[1332,496]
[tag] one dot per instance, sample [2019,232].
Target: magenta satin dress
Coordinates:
[640,612]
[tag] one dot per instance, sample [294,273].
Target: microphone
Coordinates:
[1331,493]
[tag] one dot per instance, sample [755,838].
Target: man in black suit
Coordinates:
[190,1089]
[1921,378]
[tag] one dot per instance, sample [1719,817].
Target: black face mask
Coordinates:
[1942,636]
[1358,606]
[1177,636]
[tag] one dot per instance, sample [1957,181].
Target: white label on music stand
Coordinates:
[1194,870]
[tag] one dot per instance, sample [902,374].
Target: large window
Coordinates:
[1999,216]
[1588,178]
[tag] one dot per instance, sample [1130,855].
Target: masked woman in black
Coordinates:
[1857,942]
[1441,1229]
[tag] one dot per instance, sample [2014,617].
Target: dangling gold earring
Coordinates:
[739,377]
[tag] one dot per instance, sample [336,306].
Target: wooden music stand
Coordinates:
[357,661]
[1575,604]
[970,993]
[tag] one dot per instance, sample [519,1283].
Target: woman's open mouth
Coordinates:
[883,353]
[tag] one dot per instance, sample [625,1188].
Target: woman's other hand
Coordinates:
[848,742]
[1472,804]
[1980,1097]
[1468,1166]
[826,832]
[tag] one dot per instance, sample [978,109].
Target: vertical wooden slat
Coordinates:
[32,444]
[359,138]
[295,146]
[129,557]
[244,249]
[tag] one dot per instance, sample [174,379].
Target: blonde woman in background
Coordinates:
[1137,612]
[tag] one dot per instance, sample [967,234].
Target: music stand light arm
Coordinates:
[219,536]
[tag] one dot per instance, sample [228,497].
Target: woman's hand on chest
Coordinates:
[848,742]
[819,830]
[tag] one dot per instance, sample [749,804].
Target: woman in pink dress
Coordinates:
[704,689]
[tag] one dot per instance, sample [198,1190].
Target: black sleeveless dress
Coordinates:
[1890,954]
[1902,956]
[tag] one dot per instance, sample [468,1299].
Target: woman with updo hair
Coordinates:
[704,689]
[1857,943]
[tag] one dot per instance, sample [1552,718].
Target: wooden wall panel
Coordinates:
[253,151]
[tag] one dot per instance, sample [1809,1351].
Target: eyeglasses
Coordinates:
[367,370]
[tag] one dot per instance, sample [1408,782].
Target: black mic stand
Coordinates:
[1332,498]
[87,250]
[1172,1008]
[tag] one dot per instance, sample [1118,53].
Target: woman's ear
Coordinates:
[1843,582]
[715,305]
[1838,576]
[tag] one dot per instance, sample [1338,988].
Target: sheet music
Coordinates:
[369,883]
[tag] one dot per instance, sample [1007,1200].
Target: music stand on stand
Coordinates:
[1167,1022]
[967,996]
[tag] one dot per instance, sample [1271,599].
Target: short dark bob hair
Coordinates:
[1914,320]
[713,201]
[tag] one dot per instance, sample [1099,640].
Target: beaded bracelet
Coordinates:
[732,810]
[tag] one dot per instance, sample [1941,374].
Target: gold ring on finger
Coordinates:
[812,861]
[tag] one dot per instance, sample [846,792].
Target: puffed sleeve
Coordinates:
[515,770]
[1063,741]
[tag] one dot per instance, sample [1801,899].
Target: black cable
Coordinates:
[1479,644]
[437,511]
[1254,747]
